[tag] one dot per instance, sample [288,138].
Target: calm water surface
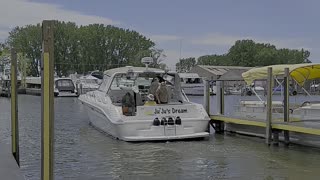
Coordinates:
[81,152]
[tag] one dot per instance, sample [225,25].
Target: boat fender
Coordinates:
[178,121]
[156,122]
[163,121]
[128,104]
[170,121]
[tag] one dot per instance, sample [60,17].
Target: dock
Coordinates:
[306,133]
[8,166]
[305,127]
[267,122]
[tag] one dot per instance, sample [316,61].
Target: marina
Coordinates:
[137,122]
[73,118]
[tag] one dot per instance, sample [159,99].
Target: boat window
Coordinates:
[194,80]
[121,80]
[64,83]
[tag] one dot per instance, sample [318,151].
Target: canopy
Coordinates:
[299,72]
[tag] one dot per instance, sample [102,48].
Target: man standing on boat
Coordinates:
[162,93]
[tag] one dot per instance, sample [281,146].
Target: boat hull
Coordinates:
[143,130]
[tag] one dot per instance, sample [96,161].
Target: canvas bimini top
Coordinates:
[299,72]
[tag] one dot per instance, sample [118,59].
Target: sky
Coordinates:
[183,28]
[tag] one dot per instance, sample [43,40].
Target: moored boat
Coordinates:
[124,108]
[305,115]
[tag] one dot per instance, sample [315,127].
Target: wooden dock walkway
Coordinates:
[306,127]
[8,166]
[305,132]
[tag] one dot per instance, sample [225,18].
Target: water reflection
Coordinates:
[82,152]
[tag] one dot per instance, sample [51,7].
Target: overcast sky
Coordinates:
[200,26]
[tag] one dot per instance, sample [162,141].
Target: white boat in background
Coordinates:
[192,84]
[64,87]
[120,107]
[309,110]
[307,114]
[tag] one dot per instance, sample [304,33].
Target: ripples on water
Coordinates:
[81,152]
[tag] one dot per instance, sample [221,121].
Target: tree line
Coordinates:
[84,48]
[249,54]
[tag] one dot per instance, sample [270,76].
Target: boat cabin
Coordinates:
[139,82]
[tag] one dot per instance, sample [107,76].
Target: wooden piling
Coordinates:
[207,99]
[47,107]
[269,106]
[275,137]
[286,104]
[220,105]
[14,107]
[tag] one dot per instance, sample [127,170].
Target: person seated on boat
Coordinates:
[154,85]
[128,105]
[150,101]
[162,93]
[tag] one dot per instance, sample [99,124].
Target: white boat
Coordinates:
[309,110]
[192,84]
[64,87]
[110,112]
[300,73]
[307,114]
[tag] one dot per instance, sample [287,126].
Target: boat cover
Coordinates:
[299,72]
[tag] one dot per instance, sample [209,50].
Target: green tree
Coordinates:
[214,60]
[185,65]
[85,48]
[249,53]
[27,40]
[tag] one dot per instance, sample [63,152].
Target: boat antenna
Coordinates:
[147,61]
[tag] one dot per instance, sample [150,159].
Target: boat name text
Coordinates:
[169,111]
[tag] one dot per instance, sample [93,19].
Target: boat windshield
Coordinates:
[121,81]
[64,83]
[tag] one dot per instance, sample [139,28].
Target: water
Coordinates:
[81,152]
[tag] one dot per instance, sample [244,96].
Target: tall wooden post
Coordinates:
[207,99]
[222,97]
[14,107]
[269,107]
[47,113]
[220,105]
[286,104]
